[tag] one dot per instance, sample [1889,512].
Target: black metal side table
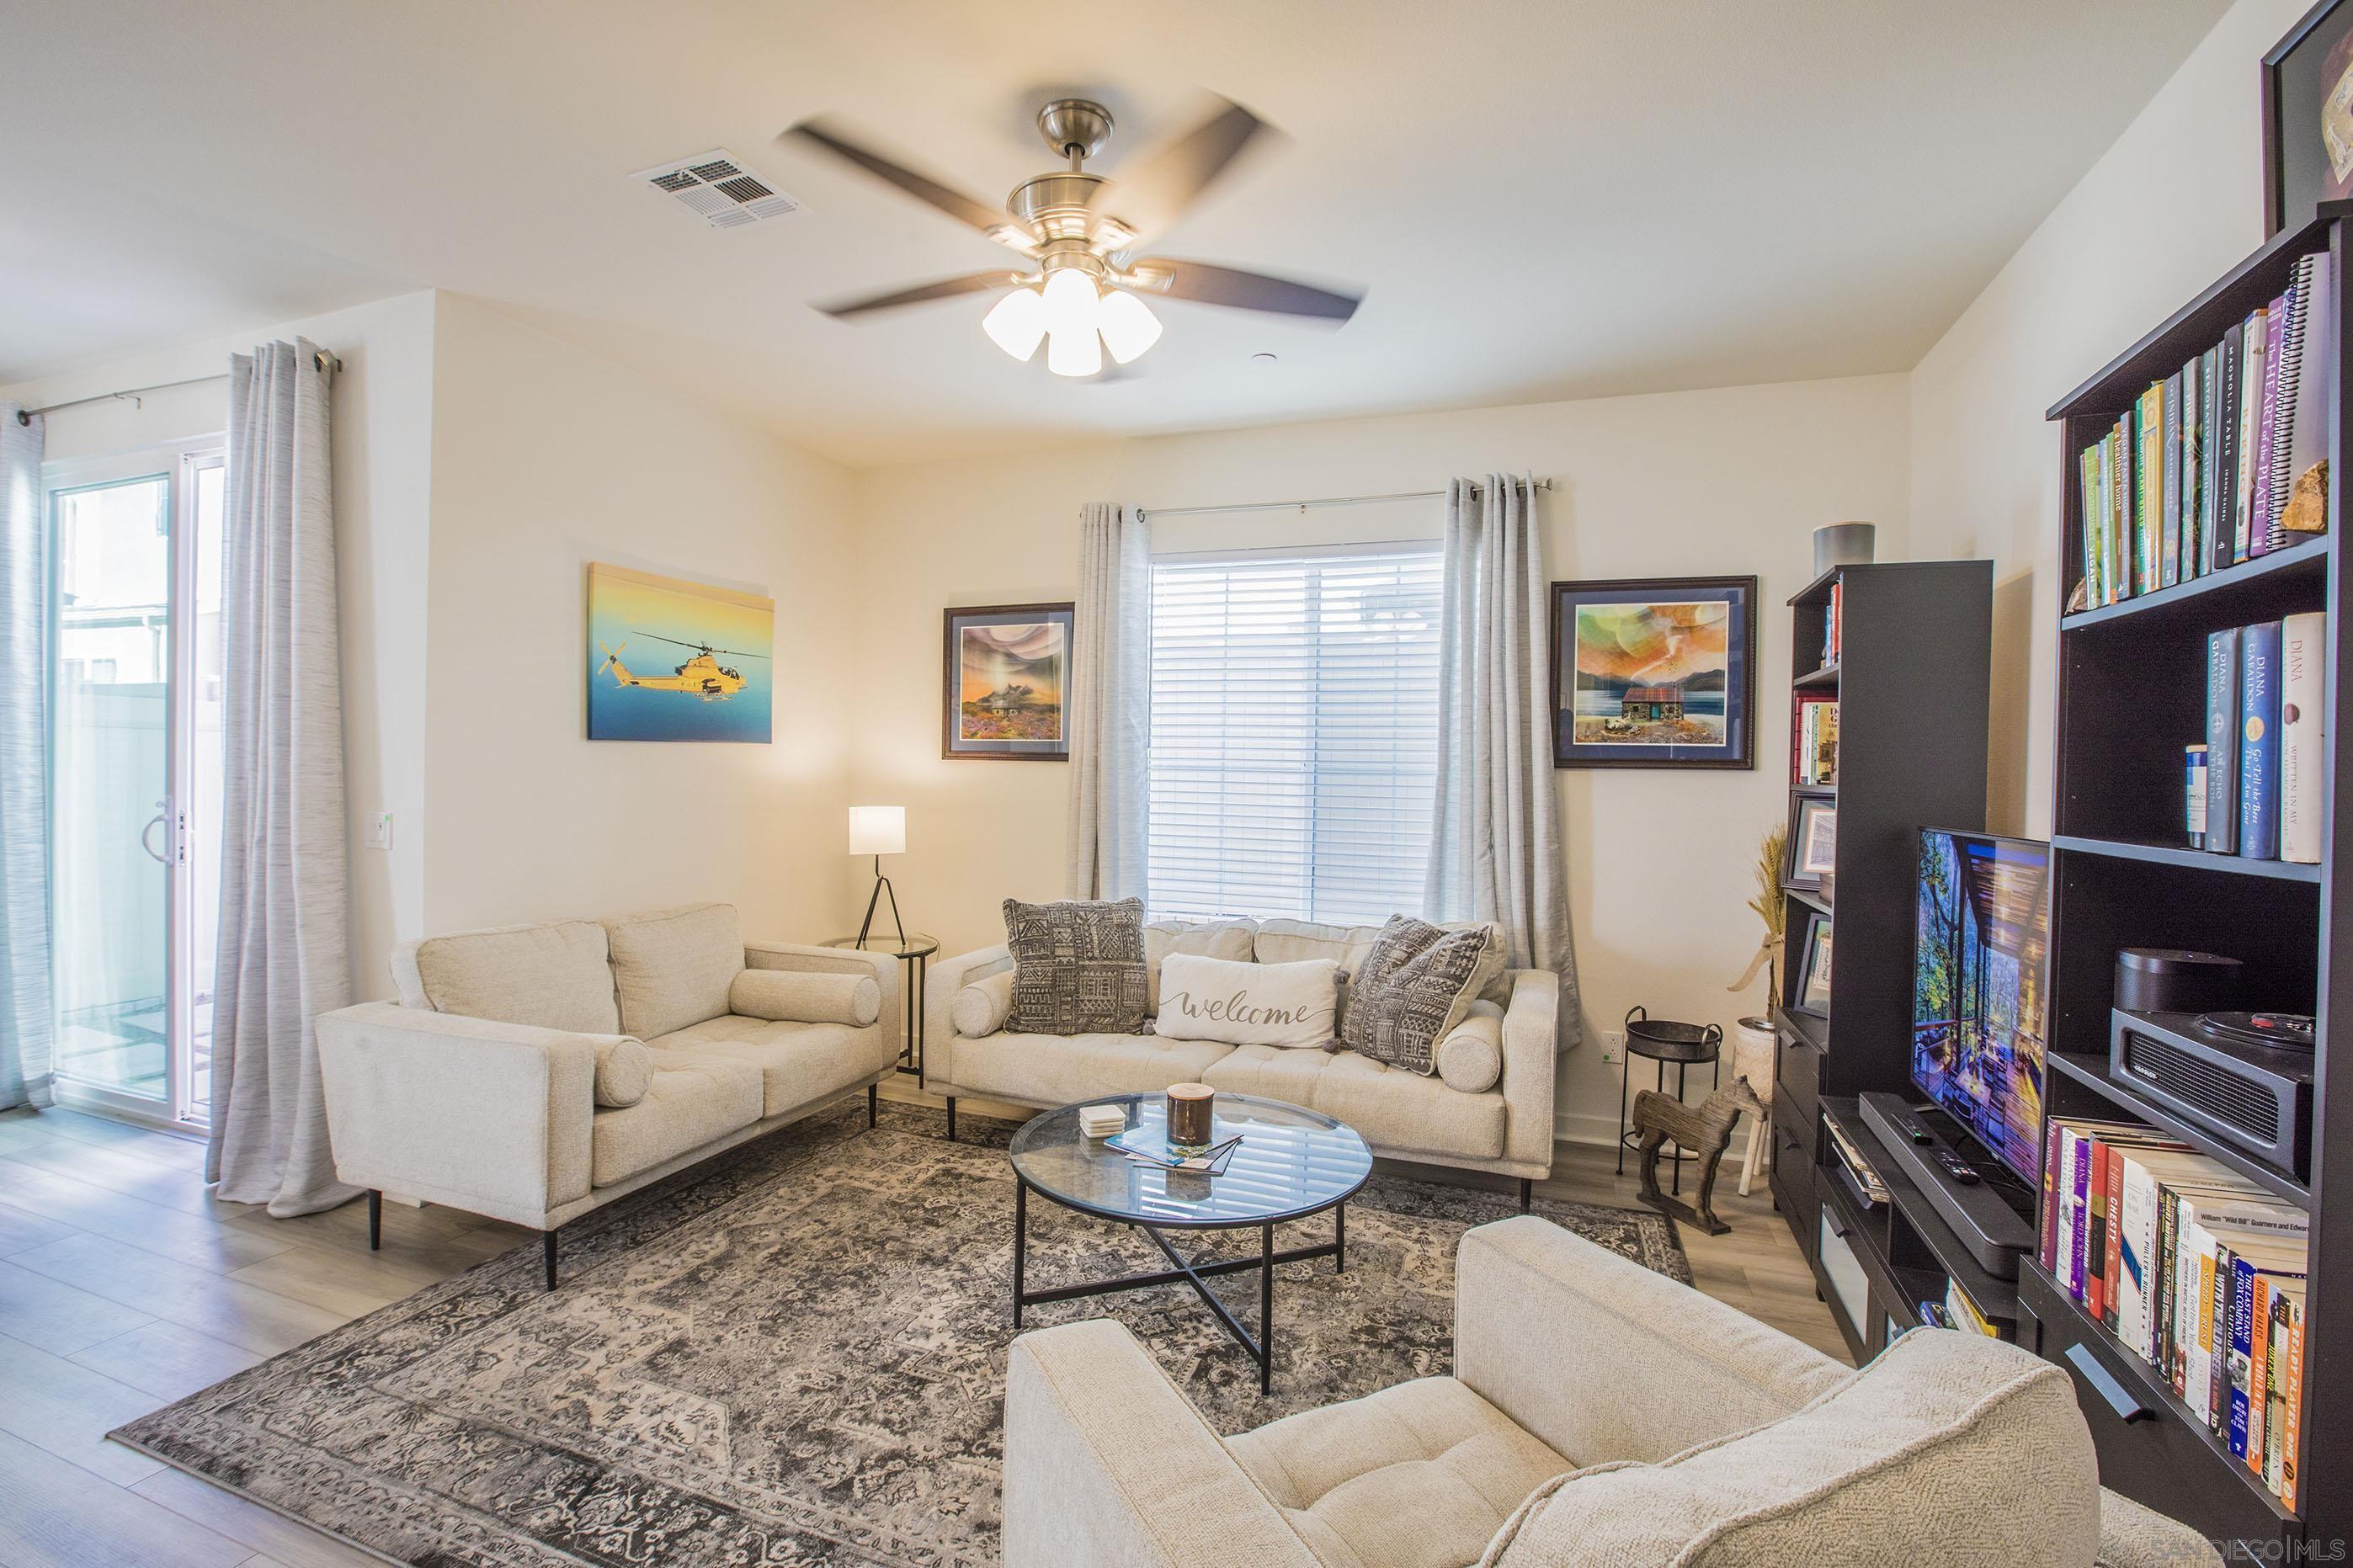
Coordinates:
[1685,1046]
[914,953]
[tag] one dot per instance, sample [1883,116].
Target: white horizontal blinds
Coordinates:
[1294,734]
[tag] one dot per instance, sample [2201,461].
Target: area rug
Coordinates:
[793,1356]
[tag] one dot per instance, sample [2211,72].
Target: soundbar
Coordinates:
[1993,1232]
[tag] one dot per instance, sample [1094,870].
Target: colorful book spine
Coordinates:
[2259,721]
[2087,482]
[2258,1310]
[2226,428]
[2267,429]
[2250,408]
[2290,1440]
[2095,1231]
[2149,498]
[2194,426]
[2112,1251]
[2168,564]
[2222,740]
[2315,377]
[2303,733]
[2286,374]
[2239,1363]
[2120,505]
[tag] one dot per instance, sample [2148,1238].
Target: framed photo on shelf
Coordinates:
[1654,672]
[2307,117]
[1813,840]
[1007,668]
[1811,995]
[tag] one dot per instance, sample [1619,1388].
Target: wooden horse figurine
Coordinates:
[1704,1130]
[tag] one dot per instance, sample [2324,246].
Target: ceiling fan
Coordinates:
[1081,291]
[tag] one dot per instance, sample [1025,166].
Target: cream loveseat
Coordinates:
[1404,1115]
[532,1073]
[1600,1416]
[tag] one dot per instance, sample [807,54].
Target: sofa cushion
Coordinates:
[691,1102]
[806,997]
[1203,939]
[1078,966]
[982,1007]
[1396,1110]
[625,1070]
[1244,1003]
[800,1063]
[673,967]
[1418,1476]
[1971,1443]
[1415,985]
[1470,1056]
[1288,941]
[548,977]
[1056,1069]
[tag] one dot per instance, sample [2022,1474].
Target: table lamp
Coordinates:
[878,830]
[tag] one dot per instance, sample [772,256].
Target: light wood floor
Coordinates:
[123,1285]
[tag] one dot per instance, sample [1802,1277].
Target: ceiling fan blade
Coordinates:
[1207,285]
[945,289]
[1145,199]
[965,209]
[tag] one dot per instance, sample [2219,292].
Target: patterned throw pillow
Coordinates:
[1078,968]
[1409,988]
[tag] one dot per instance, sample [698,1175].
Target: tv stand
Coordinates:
[1979,1212]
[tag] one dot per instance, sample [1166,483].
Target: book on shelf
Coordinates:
[1832,625]
[2196,475]
[2222,740]
[1813,750]
[2303,762]
[2259,724]
[2191,1267]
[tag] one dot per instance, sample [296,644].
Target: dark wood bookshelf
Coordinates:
[1913,681]
[2131,694]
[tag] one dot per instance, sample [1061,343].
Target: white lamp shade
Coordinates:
[1129,327]
[1017,322]
[877,830]
[1074,354]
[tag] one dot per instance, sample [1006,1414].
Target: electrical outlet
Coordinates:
[379,831]
[1613,1046]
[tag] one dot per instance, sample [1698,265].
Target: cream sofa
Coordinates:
[1403,1115]
[1599,1415]
[532,1073]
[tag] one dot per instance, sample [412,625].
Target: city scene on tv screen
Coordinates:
[1977,1004]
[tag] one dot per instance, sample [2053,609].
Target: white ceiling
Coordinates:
[1543,200]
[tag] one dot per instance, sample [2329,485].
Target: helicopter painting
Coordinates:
[704,672]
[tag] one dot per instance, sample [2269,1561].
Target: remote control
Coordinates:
[1957,1168]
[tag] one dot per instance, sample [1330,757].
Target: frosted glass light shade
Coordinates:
[877,830]
[1072,306]
[1074,354]
[1017,322]
[1129,327]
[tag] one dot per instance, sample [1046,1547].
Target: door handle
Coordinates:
[146,839]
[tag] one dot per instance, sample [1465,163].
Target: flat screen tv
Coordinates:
[1979,971]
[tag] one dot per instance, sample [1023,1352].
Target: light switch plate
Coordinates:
[379,831]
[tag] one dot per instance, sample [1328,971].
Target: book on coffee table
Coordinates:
[1149,1146]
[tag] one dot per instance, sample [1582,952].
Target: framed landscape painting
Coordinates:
[1007,670]
[1654,672]
[674,659]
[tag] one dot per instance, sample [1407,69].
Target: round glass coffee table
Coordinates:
[1292,1163]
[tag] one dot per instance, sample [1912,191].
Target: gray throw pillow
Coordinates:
[1078,968]
[1403,995]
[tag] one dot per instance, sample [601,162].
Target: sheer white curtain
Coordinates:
[1495,850]
[283,876]
[26,1028]
[1109,704]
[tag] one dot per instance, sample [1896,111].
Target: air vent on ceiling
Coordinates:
[719,189]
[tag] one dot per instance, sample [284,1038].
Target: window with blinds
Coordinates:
[1294,733]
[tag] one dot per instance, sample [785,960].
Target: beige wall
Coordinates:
[1730,481]
[546,457]
[383,409]
[2171,205]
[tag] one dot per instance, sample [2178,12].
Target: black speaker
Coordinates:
[2175,980]
[2221,1076]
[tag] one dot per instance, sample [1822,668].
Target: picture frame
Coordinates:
[1005,682]
[2307,93]
[1812,854]
[1811,990]
[671,658]
[1654,672]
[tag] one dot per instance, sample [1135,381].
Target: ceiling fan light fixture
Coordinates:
[1072,306]
[1016,322]
[1073,353]
[1128,325]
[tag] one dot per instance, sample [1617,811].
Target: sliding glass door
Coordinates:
[134,759]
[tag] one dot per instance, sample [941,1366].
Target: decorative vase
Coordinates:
[1844,545]
[1189,1118]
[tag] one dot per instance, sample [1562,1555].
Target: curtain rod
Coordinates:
[1303,505]
[325,362]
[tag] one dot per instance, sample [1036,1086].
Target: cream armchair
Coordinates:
[1600,1414]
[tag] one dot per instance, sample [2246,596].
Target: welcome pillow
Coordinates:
[1287,1005]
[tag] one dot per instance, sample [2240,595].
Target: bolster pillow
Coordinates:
[1471,1058]
[804,996]
[625,1070]
[982,1007]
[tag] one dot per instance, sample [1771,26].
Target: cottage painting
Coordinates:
[1653,673]
[1007,668]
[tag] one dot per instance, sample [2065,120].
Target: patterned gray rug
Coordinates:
[795,1356]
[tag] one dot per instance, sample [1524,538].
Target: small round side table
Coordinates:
[915,954]
[1685,1046]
